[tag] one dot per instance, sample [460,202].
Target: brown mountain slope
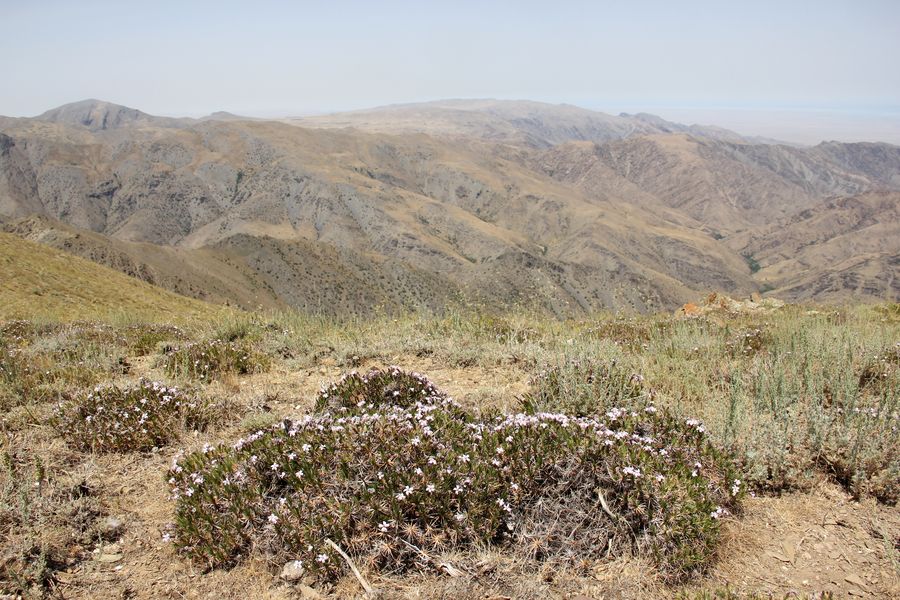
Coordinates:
[845,244]
[536,124]
[457,211]
[40,282]
[265,213]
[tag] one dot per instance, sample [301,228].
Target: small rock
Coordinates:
[108,558]
[308,593]
[292,571]
[111,528]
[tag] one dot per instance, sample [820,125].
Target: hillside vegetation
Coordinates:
[502,455]
[40,282]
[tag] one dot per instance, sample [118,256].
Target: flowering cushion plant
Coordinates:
[392,483]
[139,417]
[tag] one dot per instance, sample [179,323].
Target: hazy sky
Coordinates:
[271,58]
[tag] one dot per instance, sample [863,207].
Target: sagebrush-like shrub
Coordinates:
[748,343]
[143,339]
[584,387]
[141,417]
[206,360]
[859,446]
[30,377]
[388,481]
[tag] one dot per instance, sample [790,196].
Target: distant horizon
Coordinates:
[698,58]
[803,125]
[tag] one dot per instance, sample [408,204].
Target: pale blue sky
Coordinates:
[272,58]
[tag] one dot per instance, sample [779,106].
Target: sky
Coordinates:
[823,69]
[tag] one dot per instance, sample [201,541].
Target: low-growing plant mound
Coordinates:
[206,360]
[113,419]
[392,386]
[391,483]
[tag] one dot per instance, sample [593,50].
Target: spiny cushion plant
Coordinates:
[392,386]
[140,417]
[392,482]
[206,360]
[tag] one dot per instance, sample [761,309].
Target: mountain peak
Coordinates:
[98,115]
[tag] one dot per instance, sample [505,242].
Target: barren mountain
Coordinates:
[501,203]
[521,122]
[841,244]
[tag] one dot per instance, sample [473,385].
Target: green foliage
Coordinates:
[113,419]
[387,481]
[28,376]
[752,263]
[142,340]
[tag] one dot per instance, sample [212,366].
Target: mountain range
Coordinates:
[421,206]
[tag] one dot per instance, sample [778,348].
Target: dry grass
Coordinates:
[42,283]
[787,407]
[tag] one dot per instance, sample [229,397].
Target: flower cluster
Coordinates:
[355,392]
[113,419]
[208,359]
[380,477]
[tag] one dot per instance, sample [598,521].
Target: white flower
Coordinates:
[429,488]
[273,518]
[322,558]
[296,564]
[384,527]
[719,513]
[636,473]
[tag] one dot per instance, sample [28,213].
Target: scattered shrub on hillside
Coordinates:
[28,376]
[629,333]
[584,387]
[880,372]
[113,419]
[747,343]
[47,512]
[17,333]
[859,446]
[142,340]
[209,359]
[388,477]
